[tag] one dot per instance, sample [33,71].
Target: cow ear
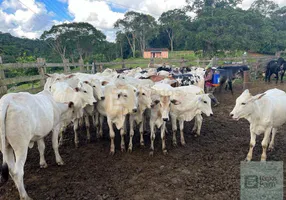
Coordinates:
[259,96]
[76,89]
[175,102]
[70,76]
[104,83]
[48,75]
[71,104]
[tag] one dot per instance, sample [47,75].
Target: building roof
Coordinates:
[156,49]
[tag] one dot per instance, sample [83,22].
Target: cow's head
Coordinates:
[66,111]
[244,105]
[97,89]
[128,97]
[204,104]
[144,97]
[85,93]
[164,106]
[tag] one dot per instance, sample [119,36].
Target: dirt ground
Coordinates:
[207,168]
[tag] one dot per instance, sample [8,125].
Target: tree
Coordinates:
[264,7]
[173,22]
[128,26]
[65,38]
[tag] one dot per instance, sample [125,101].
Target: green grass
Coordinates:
[23,87]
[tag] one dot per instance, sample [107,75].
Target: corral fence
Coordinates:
[256,65]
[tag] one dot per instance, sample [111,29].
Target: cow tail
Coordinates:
[4,171]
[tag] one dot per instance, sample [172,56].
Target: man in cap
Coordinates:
[209,86]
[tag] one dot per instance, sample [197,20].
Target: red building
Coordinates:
[156,53]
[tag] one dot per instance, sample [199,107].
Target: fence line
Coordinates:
[42,66]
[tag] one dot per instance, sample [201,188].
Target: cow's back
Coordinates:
[30,114]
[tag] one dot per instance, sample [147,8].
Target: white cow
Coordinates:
[120,100]
[81,96]
[144,102]
[52,78]
[185,106]
[26,118]
[265,113]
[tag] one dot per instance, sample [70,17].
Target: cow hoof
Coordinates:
[175,144]
[142,144]
[165,152]
[123,149]
[270,149]
[88,141]
[129,150]
[76,145]
[196,135]
[151,153]
[61,163]
[247,159]
[183,144]
[43,166]
[111,153]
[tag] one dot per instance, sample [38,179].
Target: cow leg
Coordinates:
[141,130]
[112,136]
[21,156]
[277,77]
[174,129]
[271,145]
[152,137]
[195,126]
[163,137]
[55,145]
[181,123]
[251,145]
[122,134]
[282,75]
[61,134]
[75,128]
[87,125]
[131,133]
[94,120]
[264,143]
[199,121]
[41,148]
[230,86]
[100,132]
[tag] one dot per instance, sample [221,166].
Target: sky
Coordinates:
[30,18]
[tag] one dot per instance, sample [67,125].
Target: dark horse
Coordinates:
[275,67]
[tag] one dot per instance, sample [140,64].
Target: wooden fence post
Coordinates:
[246,80]
[183,62]
[66,66]
[198,62]
[81,63]
[123,64]
[151,64]
[41,63]
[3,88]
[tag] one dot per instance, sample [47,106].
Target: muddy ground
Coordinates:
[207,168]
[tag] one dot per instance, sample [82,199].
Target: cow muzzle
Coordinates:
[102,98]
[165,119]
[134,110]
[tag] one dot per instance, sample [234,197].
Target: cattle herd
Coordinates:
[135,95]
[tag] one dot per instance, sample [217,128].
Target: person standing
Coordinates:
[209,86]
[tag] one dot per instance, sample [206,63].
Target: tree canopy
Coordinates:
[215,26]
